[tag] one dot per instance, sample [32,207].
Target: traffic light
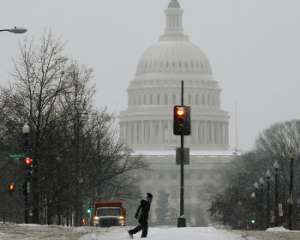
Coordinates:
[28,164]
[11,187]
[182,120]
[89,210]
[28,161]
[253,221]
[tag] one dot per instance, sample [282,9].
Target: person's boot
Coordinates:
[130,235]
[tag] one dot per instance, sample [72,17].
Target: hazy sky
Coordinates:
[252,45]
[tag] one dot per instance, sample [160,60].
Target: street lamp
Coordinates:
[14,30]
[254,209]
[26,186]
[256,196]
[276,167]
[268,176]
[26,129]
[261,203]
[290,199]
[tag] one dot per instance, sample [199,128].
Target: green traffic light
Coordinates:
[253,221]
[89,210]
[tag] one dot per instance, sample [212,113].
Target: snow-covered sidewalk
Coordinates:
[172,233]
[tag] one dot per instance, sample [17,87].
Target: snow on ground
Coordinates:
[173,233]
[277,229]
[43,232]
[11,231]
[38,232]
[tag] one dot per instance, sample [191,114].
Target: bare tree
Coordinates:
[77,157]
[279,143]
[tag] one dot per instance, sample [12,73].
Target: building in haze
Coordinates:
[146,125]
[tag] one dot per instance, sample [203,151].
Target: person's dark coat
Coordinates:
[142,213]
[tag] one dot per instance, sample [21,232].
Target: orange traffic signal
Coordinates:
[180,111]
[11,187]
[182,120]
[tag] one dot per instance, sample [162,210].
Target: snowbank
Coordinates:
[277,229]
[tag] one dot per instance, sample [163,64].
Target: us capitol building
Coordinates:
[146,125]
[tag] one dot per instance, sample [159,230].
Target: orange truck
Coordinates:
[109,213]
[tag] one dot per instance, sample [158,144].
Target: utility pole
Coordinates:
[28,171]
[268,175]
[182,127]
[181,219]
[290,199]
[262,205]
[276,167]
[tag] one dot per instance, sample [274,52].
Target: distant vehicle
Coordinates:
[109,213]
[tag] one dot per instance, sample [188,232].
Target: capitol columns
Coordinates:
[227,133]
[160,130]
[151,132]
[223,133]
[170,130]
[205,130]
[142,132]
[213,129]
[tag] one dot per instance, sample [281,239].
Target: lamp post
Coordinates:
[14,30]
[290,199]
[276,167]
[268,176]
[254,214]
[26,131]
[261,203]
[257,205]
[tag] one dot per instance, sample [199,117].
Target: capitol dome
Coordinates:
[174,56]
[147,122]
[174,53]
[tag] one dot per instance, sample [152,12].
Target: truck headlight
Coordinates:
[122,221]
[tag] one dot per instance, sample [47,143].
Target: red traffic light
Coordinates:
[28,161]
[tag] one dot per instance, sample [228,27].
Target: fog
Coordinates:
[252,46]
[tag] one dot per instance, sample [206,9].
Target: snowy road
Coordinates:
[37,232]
[170,234]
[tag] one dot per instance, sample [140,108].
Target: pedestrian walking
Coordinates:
[142,215]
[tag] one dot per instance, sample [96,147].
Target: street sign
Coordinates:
[16,156]
[186,154]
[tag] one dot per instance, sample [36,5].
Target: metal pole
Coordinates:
[276,198]
[256,209]
[26,213]
[262,207]
[290,201]
[268,202]
[26,205]
[181,222]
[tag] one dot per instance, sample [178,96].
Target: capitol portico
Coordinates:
[146,125]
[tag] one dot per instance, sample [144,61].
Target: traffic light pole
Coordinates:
[26,205]
[181,222]
[290,200]
[25,188]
